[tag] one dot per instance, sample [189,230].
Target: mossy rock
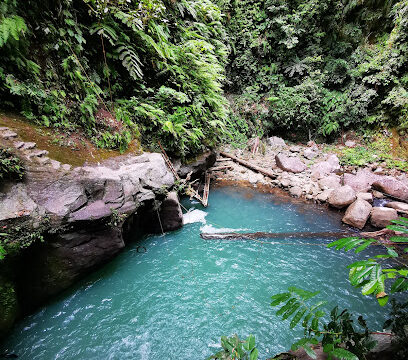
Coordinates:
[8,305]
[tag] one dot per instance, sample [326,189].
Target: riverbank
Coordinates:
[370,195]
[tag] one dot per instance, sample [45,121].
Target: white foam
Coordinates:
[209,229]
[194,216]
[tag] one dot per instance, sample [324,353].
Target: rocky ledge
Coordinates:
[85,215]
[306,171]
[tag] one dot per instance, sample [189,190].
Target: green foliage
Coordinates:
[370,275]
[236,349]
[21,236]
[398,323]
[11,167]
[376,149]
[332,65]
[339,338]
[90,61]
[11,28]
[296,305]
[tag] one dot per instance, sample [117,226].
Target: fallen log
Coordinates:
[269,235]
[250,166]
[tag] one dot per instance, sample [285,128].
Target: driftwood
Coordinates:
[218,168]
[268,235]
[250,166]
[206,188]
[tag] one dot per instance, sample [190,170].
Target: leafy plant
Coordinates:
[296,306]
[11,166]
[236,349]
[370,275]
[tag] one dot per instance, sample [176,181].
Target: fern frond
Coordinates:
[13,26]
[130,60]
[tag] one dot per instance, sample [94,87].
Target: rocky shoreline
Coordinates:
[368,195]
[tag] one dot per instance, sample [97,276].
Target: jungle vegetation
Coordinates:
[118,70]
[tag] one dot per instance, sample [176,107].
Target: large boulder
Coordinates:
[290,164]
[392,186]
[382,216]
[342,197]
[357,213]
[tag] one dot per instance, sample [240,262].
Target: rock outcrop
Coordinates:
[84,214]
[290,164]
[357,213]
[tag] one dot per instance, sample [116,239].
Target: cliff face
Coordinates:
[84,216]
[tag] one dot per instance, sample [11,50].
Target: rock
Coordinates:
[382,216]
[391,186]
[323,168]
[285,182]
[38,153]
[296,191]
[329,182]
[290,164]
[357,213]
[276,142]
[362,181]
[170,212]
[379,171]
[399,206]
[295,149]
[342,197]
[323,196]
[198,166]
[378,195]
[365,196]
[65,259]
[334,161]
[310,154]
[350,143]
[16,203]
[8,134]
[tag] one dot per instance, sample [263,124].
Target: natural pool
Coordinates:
[178,298]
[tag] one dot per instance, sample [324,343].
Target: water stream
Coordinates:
[175,300]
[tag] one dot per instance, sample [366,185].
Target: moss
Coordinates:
[8,305]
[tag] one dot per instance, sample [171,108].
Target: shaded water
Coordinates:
[178,298]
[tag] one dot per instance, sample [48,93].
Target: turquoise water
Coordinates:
[178,298]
